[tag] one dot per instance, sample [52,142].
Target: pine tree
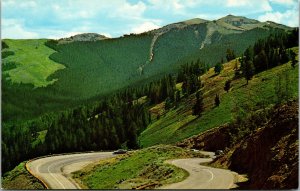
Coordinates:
[248,70]
[168,103]
[261,62]
[218,68]
[227,85]
[230,54]
[199,106]
[177,97]
[293,58]
[217,100]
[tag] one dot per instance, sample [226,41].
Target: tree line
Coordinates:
[264,54]
[268,53]
[105,126]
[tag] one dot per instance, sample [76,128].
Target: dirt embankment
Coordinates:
[266,150]
[19,178]
[212,140]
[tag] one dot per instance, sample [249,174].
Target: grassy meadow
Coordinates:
[144,168]
[33,65]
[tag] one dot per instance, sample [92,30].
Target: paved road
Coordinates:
[202,177]
[53,171]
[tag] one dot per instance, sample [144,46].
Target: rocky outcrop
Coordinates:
[212,140]
[83,37]
[270,155]
[267,152]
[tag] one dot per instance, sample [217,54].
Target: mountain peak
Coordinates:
[194,21]
[231,18]
[238,22]
[88,37]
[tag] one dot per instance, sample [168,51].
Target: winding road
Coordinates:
[55,171]
[202,177]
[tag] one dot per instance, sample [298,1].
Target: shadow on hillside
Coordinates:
[244,85]
[214,75]
[241,186]
[183,126]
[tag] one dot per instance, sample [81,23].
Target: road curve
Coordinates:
[54,171]
[202,177]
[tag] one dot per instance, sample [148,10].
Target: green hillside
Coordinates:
[150,111]
[100,67]
[79,72]
[214,52]
[179,123]
[32,63]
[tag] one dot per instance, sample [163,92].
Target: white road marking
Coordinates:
[54,176]
[59,180]
[212,174]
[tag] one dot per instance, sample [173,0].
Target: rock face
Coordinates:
[84,37]
[212,140]
[268,154]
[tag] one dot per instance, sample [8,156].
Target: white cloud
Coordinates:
[106,34]
[82,9]
[183,7]
[210,16]
[128,10]
[271,16]
[290,17]
[28,4]
[13,28]
[237,3]
[284,2]
[57,34]
[146,26]
[21,4]
[177,5]
[171,6]
[62,34]
[58,17]
[72,12]
[8,3]
[258,5]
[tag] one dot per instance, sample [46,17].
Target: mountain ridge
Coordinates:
[234,21]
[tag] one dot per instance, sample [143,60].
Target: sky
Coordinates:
[113,18]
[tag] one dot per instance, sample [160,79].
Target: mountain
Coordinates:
[141,90]
[208,40]
[243,23]
[90,65]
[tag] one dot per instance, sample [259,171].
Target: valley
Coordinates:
[197,84]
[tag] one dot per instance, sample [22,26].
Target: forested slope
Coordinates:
[79,72]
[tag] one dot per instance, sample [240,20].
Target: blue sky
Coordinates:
[113,18]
